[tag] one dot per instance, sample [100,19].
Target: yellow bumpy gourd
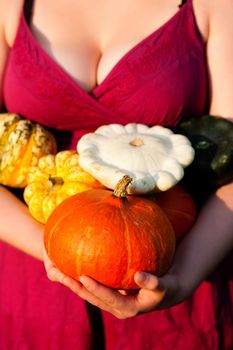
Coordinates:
[54,179]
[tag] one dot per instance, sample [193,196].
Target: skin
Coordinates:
[89,43]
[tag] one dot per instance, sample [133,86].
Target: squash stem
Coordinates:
[121,187]
[56,180]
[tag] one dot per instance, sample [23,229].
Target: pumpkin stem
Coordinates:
[56,180]
[121,187]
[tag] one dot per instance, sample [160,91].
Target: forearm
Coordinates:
[17,227]
[210,240]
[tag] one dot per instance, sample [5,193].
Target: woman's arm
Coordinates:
[220,58]
[209,241]
[3,51]
[212,236]
[16,225]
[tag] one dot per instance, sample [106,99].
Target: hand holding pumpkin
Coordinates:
[109,236]
[154,293]
[54,274]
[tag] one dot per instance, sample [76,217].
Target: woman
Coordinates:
[74,68]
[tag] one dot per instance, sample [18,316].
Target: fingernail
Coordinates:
[141,276]
[83,280]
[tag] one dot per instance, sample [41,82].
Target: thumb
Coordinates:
[151,282]
[146,280]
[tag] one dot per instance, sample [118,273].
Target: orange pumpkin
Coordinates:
[109,236]
[180,208]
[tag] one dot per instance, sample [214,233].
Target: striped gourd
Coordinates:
[22,144]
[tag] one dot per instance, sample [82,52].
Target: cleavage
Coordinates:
[87,59]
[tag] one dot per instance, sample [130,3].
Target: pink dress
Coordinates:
[161,80]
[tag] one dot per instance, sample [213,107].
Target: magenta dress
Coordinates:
[161,80]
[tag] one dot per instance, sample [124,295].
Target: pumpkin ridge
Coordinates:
[53,229]
[154,236]
[127,244]
[155,240]
[161,242]
[78,263]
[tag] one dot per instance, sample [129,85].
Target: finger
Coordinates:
[55,275]
[151,293]
[148,300]
[165,294]
[123,292]
[72,284]
[107,299]
[146,280]
[105,294]
[48,264]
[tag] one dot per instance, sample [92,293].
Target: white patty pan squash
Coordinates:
[154,157]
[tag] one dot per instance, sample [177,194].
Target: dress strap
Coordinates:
[182,3]
[28,5]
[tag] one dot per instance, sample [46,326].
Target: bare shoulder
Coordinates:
[220,56]
[217,12]
[201,11]
[221,14]
[10,11]
[213,15]
[219,6]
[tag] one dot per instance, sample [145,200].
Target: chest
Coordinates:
[159,78]
[88,38]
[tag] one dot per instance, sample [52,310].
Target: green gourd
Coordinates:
[212,140]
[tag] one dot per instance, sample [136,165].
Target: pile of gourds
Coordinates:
[112,234]
[116,205]
[29,159]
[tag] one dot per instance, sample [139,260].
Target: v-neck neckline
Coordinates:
[122,59]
